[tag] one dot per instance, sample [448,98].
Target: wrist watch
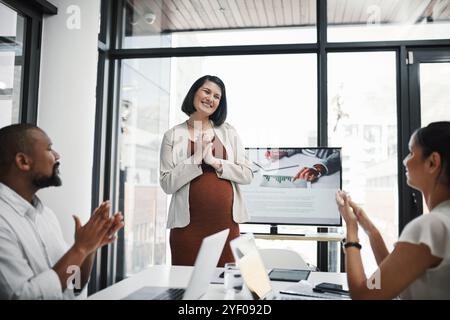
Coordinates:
[346,244]
[320,171]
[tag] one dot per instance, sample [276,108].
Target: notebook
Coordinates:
[204,268]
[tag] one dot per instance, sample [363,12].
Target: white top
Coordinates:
[433,230]
[31,242]
[177,169]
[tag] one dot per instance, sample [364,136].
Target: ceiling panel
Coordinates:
[181,15]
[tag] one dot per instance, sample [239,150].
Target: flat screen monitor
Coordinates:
[294,186]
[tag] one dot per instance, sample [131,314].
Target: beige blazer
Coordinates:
[177,170]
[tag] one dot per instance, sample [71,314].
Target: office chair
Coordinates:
[283,259]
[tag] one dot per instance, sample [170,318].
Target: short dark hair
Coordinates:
[14,138]
[435,137]
[220,115]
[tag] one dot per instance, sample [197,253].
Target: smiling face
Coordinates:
[415,165]
[207,99]
[45,165]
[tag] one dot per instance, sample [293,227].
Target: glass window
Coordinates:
[381,20]
[11,64]
[362,119]
[177,23]
[434,96]
[143,116]
[280,109]
[434,92]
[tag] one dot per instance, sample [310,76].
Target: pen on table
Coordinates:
[293,293]
[315,295]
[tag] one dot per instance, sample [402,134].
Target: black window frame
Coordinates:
[406,113]
[416,56]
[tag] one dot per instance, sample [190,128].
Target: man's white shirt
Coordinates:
[31,243]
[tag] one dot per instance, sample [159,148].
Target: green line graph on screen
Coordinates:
[283,181]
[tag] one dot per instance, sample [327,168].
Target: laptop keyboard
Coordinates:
[171,294]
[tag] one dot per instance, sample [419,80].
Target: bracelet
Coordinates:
[346,245]
[353,244]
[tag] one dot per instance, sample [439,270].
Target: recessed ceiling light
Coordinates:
[149,17]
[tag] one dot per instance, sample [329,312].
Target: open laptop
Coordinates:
[204,268]
[255,275]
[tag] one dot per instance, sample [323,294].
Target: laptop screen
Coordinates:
[205,264]
[251,265]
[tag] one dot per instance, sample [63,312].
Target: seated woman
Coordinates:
[419,265]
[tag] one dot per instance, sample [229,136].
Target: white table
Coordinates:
[178,276]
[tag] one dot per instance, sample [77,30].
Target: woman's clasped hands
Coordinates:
[204,149]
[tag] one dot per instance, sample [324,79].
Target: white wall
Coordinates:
[66,110]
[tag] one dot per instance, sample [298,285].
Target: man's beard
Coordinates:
[53,181]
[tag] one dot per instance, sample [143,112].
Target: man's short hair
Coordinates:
[14,138]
